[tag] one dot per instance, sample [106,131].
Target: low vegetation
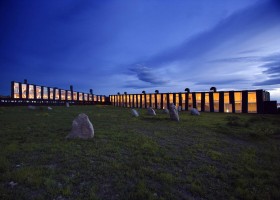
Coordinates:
[211,156]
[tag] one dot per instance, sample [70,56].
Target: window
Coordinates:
[63,95]
[190,100]
[31,92]
[183,96]
[86,97]
[68,94]
[75,96]
[80,96]
[216,101]
[38,92]
[171,99]
[238,102]
[164,100]
[153,100]
[56,94]
[207,103]
[45,93]
[147,100]
[252,102]
[23,91]
[198,101]
[16,90]
[227,105]
[51,93]
[143,100]
[158,101]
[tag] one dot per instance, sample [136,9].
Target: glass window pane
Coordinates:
[23,91]
[63,95]
[51,93]
[238,102]
[252,102]
[38,92]
[198,101]
[16,90]
[31,92]
[45,93]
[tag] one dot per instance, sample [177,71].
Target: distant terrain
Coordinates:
[211,156]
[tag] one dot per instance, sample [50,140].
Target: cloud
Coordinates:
[148,75]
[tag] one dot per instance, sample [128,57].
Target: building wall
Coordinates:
[246,101]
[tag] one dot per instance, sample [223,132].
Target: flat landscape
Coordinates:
[211,156]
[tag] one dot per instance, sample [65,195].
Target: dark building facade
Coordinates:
[246,101]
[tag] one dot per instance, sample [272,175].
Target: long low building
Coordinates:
[31,92]
[245,101]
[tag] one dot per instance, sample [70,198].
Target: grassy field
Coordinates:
[212,156]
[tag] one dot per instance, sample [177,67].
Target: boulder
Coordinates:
[134,113]
[67,104]
[179,108]
[194,111]
[151,111]
[81,128]
[49,108]
[31,107]
[173,112]
[166,111]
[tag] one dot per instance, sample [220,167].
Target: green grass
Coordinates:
[211,156]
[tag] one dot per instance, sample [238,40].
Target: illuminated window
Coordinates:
[164,101]
[75,96]
[139,99]
[153,100]
[238,101]
[131,100]
[38,92]
[80,96]
[207,103]
[252,102]
[51,93]
[31,92]
[16,90]
[45,93]
[143,100]
[90,98]
[86,97]
[158,100]
[216,101]
[147,100]
[63,95]
[171,99]
[103,98]
[227,105]
[183,97]
[198,101]
[135,101]
[176,100]
[56,94]
[69,96]
[23,91]
[190,100]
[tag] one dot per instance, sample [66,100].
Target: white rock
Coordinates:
[134,113]
[151,111]
[13,184]
[194,111]
[81,128]
[31,107]
[173,112]
[166,111]
[67,104]
[49,108]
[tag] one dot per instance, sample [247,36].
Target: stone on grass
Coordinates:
[49,108]
[81,128]
[194,111]
[67,104]
[166,111]
[31,107]
[134,113]
[151,111]
[173,112]
[179,108]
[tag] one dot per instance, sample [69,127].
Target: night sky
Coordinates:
[129,46]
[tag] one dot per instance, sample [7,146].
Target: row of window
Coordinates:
[194,100]
[28,91]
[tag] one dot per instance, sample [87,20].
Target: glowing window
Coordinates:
[75,96]
[63,95]
[216,101]
[227,105]
[38,92]
[16,90]
[252,102]
[198,101]
[56,94]
[51,93]
[31,92]
[80,96]
[207,103]
[86,97]
[69,96]
[23,91]
[238,101]
[45,93]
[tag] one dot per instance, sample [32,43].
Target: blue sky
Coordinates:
[134,45]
